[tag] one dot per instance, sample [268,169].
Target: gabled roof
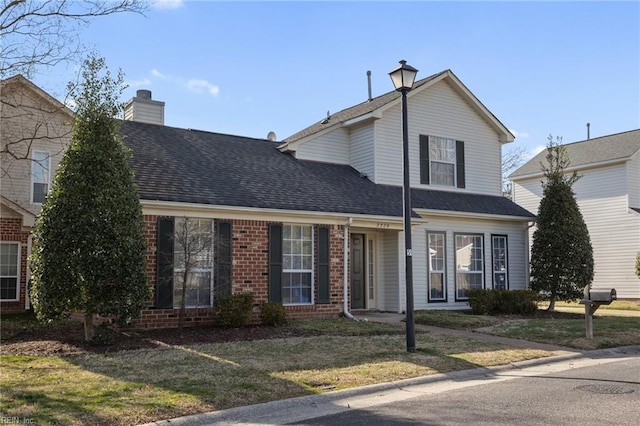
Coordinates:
[602,150]
[191,166]
[20,80]
[386,100]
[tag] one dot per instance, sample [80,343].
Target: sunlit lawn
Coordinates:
[130,387]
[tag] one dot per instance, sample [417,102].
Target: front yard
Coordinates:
[49,377]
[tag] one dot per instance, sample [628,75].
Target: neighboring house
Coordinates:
[315,222]
[608,194]
[34,131]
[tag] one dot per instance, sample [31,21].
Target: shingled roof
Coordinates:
[619,146]
[191,166]
[356,110]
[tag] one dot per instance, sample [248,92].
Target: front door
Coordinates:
[358,272]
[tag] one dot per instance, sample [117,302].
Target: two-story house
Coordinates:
[315,222]
[34,131]
[608,194]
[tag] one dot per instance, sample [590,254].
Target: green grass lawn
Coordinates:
[137,386]
[622,305]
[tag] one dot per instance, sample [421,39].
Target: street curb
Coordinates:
[323,403]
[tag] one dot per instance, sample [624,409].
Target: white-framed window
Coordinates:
[297,264]
[9,271]
[500,262]
[436,264]
[370,270]
[469,264]
[442,161]
[193,247]
[40,176]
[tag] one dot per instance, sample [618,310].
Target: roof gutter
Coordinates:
[486,216]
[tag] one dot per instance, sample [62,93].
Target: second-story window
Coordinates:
[40,167]
[442,156]
[442,161]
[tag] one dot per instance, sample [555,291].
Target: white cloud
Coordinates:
[139,83]
[201,86]
[167,4]
[156,73]
[517,134]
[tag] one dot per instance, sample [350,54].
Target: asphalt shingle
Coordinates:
[618,146]
[191,166]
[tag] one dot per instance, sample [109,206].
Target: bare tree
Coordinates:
[511,160]
[36,35]
[42,33]
[193,241]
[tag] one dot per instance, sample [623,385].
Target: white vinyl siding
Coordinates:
[633,182]
[361,150]
[516,233]
[145,111]
[614,230]
[331,147]
[439,110]
[388,282]
[42,127]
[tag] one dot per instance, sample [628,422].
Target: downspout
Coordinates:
[345,269]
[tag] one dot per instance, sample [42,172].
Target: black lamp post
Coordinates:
[403,77]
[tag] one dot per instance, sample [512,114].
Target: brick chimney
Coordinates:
[143,109]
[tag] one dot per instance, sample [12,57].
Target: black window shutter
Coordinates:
[460,164]
[164,261]
[424,159]
[275,263]
[323,265]
[222,260]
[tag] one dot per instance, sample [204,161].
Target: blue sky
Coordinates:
[248,68]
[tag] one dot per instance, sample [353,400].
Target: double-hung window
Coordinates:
[436,263]
[9,270]
[40,167]
[193,251]
[442,161]
[297,264]
[500,268]
[442,158]
[469,264]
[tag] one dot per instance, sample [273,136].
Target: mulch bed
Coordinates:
[68,338]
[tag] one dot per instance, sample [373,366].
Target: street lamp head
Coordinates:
[403,76]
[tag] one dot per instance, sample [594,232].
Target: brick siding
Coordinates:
[250,243]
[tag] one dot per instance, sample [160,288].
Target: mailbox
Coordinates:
[603,297]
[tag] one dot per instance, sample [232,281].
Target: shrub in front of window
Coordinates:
[502,302]
[273,314]
[235,310]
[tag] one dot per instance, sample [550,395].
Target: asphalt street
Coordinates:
[595,395]
[593,388]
